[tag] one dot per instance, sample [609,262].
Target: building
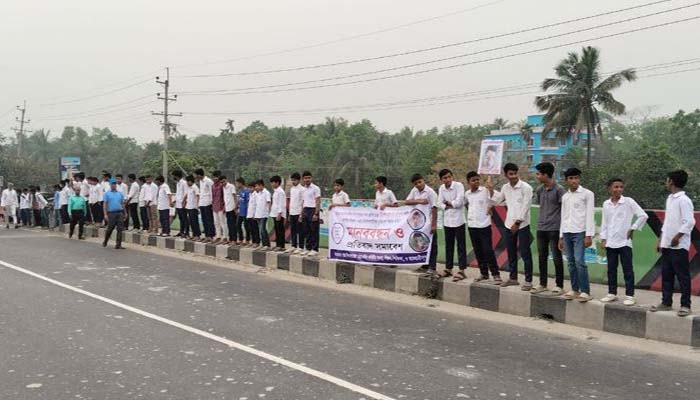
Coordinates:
[536,148]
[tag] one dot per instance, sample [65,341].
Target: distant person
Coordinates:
[548,196]
[25,208]
[242,238]
[218,208]
[422,194]
[383,197]
[251,223]
[165,201]
[191,203]
[616,234]
[151,199]
[295,209]
[66,192]
[479,207]
[180,189]
[122,187]
[577,231]
[95,200]
[10,204]
[230,204]
[56,207]
[674,244]
[340,198]
[263,201]
[114,210]
[205,204]
[77,209]
[311,214]
[278,211]
[39,205]
[143,208]
[132,200]
[451,201]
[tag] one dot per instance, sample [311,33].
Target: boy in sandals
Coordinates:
[451,201]
[479,206]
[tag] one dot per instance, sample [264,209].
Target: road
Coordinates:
[81,322]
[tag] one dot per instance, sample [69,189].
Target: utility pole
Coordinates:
[167,125]
[20,130]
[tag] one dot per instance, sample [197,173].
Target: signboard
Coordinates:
[393,236]
[68,164]
[491,157]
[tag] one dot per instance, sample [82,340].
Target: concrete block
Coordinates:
[344,272]
[364,275]
[221,251]
[484,296]
[271,260]
[189,246]
[309,266]
[666,326]
[631,321]
[127,237]
[283,261]
[548,307]
[260,258]
[406,282]
[101,233]
[200,248]
[160,242]
[152,240]
[179,244]
[430,287]
[170,243]
[135,237]
[245,256]
[455,292]
[586,315]
[385,278]
[296,264]
[512,300]
[210,250]
[234,253]
[695,334]
[327,269]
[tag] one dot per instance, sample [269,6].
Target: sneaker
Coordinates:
[526,287]
[609,298]
[570,295]
[684,312]
[497,280]
[629,301]
[538,289]
[510,282]
[557,291]
[303,253]
[583,298]
[264,248]
[660,307]
[312,253]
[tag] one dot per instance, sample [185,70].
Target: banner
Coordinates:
[393,236]
[68,165]
[491,157]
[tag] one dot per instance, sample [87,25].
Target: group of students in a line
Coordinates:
[27,207]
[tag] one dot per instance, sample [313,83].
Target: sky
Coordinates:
[93,63]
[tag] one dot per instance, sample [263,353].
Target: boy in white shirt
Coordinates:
[424,194]
[205,204]
[340,198]
[165,201]
[278,211]
[191,203]
[229,196]
[384,197]
[133,201]
[143,209]
[451,201]
[251,223]
[616,234]
[479,204]
[675,243]
[296,199]
[180,211]
[310,216]
[263,201]
[576,233]
[517,195]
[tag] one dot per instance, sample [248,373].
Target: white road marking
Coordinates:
[278,360]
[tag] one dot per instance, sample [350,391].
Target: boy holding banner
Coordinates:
[423,194]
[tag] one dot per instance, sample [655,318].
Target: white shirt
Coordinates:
[191,197]
[105,186]
[426,194]
[518,199]
[229,197]
[384,198]
[142,195]
[617,221]
[134,192]
[164,194]
[452,217]
[279,203]
[9,198]
[180,190]
[95,194]
[296,193]
[41,200]
[251,204]
[341,198]
[151,192]
[25,201]
[478,204]
[205,188]
[123,188]
[66,192]
[84,189]
[577,212]
[679,219]
[262,206]
[310,194]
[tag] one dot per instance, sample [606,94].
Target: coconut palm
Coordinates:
[581,91]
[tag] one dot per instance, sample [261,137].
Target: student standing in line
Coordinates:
[451,201]
[106,176]
[113,204]
[548,196]
[132,199]
[425,195]
[84,192]
[310,216]
[479,205]
[165,201]
[263,201]
[251,223]
[576,233]
[98,189]
[77,208]
[340,198]
[674,244]
[25,207]
[278,211]
[180,189]
[295,208]
[218,208]
[384,197]
[517,196]
[143,208]
[10,203]
[40,208]
[151,200]
[122,187]
[230,200]
[66,192]
[191,203]
[616,234]
[56,207]
[243,199]
[205,204]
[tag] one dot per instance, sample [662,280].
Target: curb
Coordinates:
[634,321]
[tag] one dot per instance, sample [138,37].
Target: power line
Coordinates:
[167,125]
[119,89]
[71,116]
[345,39]
[101,108]
[539,50]
[410,52]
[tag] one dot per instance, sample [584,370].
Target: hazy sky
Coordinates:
[74,52]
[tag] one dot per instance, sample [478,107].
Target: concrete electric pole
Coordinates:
[20,130]
[167,125]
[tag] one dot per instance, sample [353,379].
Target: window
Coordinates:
[562,141]
[531,142]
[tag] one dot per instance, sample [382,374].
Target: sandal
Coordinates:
[445,273]
[459,276]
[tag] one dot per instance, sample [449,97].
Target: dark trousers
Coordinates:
[483,250]
[65,218]
[432,261]
[231,225]
[96,212]
[296,228]
[77,217]
[134,214]
[252,225]
[675,264]
[164,218]
[143,212]
[184,222]
[311,230]
[240,224]
[37,217]
[279,233]
[622,255]
[208,221]
[25,215]
[519,242]
[193,222]
[546,241]
[459,235]
[115,220]
[262,228]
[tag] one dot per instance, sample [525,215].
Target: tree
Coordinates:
[580,92]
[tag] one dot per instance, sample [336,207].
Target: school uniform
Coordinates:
[25,209]
[180,189]
[243,201]
[577,222]
[133,196]
[65,194]
[10,204]
[278,211]
[229,193]
[152,206]
[679,218]
[384,198]
[453,224]
[262,212]
[143,208]
[518,199]
[95,202]
[164,195]
[205,206]
[311,228]
[251,223]
[428,194]
[295,209]
[191,200]
[479,226]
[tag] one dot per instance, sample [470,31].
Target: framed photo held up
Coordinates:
[491,157]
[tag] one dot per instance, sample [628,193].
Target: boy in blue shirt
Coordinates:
[243,198]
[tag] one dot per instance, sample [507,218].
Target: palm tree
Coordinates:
[580,92]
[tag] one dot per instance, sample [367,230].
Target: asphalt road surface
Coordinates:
[81,322]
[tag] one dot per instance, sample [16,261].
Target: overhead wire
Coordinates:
[109,107]
[102,94]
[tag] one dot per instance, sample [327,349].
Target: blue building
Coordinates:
[538,148]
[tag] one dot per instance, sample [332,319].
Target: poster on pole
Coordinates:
[491,157]
[68,164]
[397,236]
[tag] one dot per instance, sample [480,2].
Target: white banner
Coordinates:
[393,236]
